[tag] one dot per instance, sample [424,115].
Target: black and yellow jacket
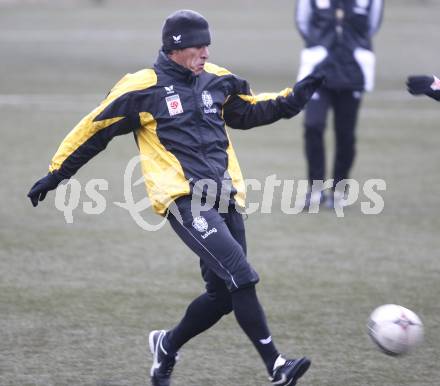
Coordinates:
[179,124]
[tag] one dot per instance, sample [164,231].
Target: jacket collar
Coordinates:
[170,67]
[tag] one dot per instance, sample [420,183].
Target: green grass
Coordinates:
[77,300]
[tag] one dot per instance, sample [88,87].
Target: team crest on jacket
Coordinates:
[174,104]
[208,102]
[200,224]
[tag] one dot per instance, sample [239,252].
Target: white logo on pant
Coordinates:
[323,4]
[362,3]
[200,224]
[210,232]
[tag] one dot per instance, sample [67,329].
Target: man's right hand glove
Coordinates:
[305,88]
[41,187]
[424,85]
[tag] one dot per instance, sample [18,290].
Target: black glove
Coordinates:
[424,85]
[305,88]
[41,187]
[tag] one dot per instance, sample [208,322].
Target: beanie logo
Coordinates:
[177,39]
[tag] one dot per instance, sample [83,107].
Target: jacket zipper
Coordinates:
[339,13]
[198,123]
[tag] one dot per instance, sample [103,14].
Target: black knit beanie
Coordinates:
[183,29]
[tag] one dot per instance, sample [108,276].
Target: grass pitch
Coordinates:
[77,300]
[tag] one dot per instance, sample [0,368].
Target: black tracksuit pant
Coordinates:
[345,105]
[218,238]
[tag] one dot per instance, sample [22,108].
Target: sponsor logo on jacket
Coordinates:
[174,104]
[208,102]
[169,89]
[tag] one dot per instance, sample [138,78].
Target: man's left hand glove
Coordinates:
[424,85]
[305,88]
[41,187]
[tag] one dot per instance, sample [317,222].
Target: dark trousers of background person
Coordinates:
[345,105]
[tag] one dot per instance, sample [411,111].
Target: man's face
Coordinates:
[192,58]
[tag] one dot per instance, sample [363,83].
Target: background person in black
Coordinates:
[337,34]
[178,110]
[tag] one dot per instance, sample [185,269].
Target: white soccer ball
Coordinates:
[396,330]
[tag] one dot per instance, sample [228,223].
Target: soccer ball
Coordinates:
[395,329]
